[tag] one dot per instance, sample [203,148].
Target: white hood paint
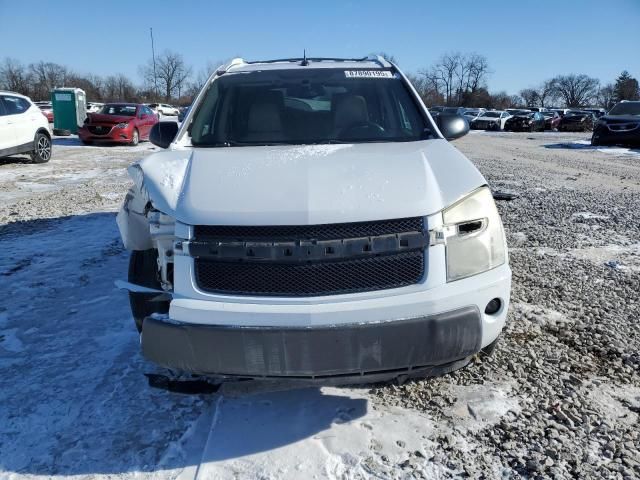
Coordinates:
[314,184]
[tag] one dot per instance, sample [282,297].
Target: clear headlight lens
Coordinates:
[122,125]
[475,240]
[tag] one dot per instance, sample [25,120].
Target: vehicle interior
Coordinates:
[290,107]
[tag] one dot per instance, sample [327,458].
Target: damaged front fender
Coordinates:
[133,222]
[157,185]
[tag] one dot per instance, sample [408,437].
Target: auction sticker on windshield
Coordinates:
[368,74]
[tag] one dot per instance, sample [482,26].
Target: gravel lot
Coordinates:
[559,398]
[570,353]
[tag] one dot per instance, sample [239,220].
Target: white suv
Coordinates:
[23,128]
[309,220]
[163,109]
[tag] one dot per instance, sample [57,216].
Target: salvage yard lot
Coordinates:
[560,396]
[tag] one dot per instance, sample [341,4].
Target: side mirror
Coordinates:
[451,125]
[163,133]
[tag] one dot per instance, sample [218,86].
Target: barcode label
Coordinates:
[368,74]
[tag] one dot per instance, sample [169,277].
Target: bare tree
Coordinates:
[119,88]
[530,97]
[576,90]
[607,96]
[14,77]
[547,93]
[46,76]
[171,73]
[458,77]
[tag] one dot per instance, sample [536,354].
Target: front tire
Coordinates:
[143,270]
[135,138]
[41,148]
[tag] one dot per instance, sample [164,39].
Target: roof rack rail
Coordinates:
[369,58]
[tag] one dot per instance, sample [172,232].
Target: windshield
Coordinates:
[626,108]
[308,106]
[577,112]
[492,114]
[120,110]
[450,110]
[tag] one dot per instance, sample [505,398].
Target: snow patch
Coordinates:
[613,150]
[589,216]
[479,406]
[333,432]
[619,257]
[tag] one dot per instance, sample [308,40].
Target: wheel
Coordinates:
[86,142]
[135,138]
[42,148]
[143,270]
[532,127]
[595,140]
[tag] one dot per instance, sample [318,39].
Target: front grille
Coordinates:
[311,279]
[99,129]
[309,232]
[358,273]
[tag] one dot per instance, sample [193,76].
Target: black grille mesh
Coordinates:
[311,279]
[309,232]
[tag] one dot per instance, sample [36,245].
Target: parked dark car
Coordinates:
[620,126]
[576,121]
[525,122]
[551,120]
[183,113]
[119,123]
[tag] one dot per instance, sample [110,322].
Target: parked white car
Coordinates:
[23,128]
[94,107]
[163,109]
[320,229]
[491,120]
[473,113]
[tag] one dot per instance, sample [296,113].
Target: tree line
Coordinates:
[169,80]
[456,79]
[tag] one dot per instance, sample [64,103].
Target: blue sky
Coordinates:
[525,42]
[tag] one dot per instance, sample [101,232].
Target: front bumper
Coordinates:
[379,350]
[378,335]
[608,137]
[573,127]
[518,127]
[116,135]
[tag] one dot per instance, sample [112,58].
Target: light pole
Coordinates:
[153,55]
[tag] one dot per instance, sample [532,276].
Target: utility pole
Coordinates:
[153,55]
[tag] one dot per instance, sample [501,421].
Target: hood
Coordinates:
[314,184]
[488,119]
[110,119]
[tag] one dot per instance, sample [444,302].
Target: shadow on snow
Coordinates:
[74,399]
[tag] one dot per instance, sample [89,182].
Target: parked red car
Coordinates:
[46,109]
[118,122]
[551,120]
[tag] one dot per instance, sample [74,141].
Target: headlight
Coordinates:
[122,125]
[475,240]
